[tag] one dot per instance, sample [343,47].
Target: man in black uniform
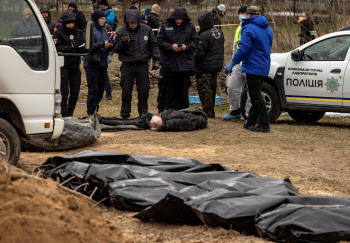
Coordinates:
[136,44]
[209,61]
[69,39]
[177,40]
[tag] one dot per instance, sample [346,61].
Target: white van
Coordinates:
[29,78]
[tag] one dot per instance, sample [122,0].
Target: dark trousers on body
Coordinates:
[108,86]
[176,90]
[258,112]
[70,88]
[206,87]
[130,72]
[96,82]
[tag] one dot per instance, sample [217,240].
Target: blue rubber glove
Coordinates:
[229,67]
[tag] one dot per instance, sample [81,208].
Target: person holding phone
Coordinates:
[177,40]
[96,63]
[136,44]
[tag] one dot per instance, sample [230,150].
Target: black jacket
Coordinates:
[173,121]
[153,21]
[50,24]
[79,15]
[306,27]
[183,120]
[210,53]
[170,34]
[143,44]
[215,13]
[65,44]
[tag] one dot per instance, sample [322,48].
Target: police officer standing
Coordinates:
[136,44]
[177,40]
[209,60]
[254,50]
[69,39]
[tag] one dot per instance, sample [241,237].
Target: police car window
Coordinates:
[19,28]
[332,49]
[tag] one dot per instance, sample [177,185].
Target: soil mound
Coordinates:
[37,210]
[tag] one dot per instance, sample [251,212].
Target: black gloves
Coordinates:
[126,39]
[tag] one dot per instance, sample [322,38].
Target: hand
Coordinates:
[176,48]
[229,67]
[126,39]
[183,47]
[155,65]
[107,44]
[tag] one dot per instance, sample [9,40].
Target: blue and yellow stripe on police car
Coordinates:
[316,98]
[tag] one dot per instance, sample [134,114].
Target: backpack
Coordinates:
[115,22]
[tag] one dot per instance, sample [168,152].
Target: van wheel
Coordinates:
[306,116]
[271,98]
[10,146]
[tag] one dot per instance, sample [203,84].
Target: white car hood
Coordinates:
[277,60]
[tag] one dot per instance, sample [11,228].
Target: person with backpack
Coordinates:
[109,12]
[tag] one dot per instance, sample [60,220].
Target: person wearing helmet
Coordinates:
[217,13]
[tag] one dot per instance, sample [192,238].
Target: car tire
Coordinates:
[272,101]
[10,145]
[306,116]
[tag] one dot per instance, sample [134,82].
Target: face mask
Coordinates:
[241,17]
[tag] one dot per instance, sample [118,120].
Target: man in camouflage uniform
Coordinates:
[209,60]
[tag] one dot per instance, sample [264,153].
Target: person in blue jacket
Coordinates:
[254,53]
[96,63]
[109,12]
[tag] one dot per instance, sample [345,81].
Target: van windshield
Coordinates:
[20,29]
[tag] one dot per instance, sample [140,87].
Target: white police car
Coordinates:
[310,80]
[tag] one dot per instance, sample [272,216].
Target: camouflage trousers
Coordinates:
[206,87]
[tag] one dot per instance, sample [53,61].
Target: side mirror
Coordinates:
[89,35]
[295,55]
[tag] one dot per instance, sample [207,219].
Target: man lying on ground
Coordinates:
[189,119]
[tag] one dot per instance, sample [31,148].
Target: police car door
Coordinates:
[318,77]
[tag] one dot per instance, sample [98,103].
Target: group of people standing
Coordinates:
[177,49]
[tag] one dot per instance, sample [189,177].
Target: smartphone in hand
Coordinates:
[110,39]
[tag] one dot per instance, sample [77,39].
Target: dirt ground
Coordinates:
[314,157]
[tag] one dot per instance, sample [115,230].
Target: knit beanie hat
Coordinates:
[147,11]
[27,11]
[104,2]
